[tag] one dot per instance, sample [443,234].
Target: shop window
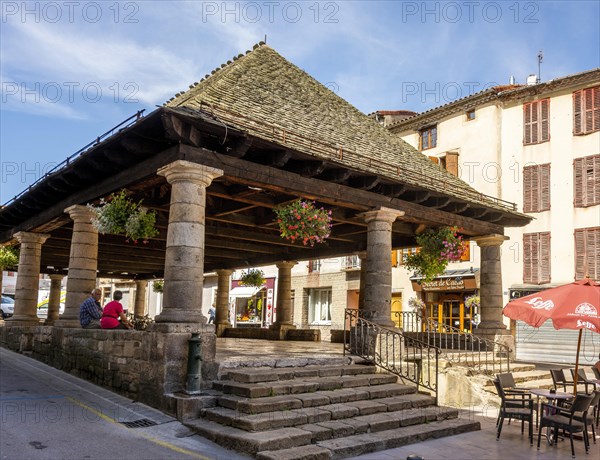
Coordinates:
[319,306]
[536,188]
[428,138]
[587,253]
[586,181]
[536,122]
[586,111]
[536,258]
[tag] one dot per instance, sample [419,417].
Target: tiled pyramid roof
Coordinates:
[261,92]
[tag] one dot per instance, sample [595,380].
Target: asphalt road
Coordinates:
[49,414]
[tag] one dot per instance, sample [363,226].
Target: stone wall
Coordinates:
[142,365]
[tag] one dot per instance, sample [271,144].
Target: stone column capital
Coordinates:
[490,240]
[80,213]
[286,264]
[182,170]
[31,237]
[224,272]
[56,276]
[382,214]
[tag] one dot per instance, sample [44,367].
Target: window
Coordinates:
[314,265]
[449,162]
[536,122]
[536,258]
[428,138]
[536,188]
[587,253]
[319,306]
[586,172]
[470,114]
[586,110]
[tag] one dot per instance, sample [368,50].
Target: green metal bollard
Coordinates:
[194,367]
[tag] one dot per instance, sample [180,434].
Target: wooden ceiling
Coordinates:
[240,228]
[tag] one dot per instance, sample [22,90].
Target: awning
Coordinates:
[244,291]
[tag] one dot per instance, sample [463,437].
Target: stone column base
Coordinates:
[501,336]
[23,322]
[220,328]
[281,329]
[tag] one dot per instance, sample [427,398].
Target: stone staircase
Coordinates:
[320,412]
[527,376]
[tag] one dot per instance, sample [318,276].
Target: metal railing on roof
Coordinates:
[124,124]
[338,152]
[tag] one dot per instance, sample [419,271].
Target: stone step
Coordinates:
[524,379]
[318,398]
[316,414]
[307,385]
[363,443]
[268,374]
[303,435]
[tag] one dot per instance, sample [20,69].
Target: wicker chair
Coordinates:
[517,407]
[559,379]
[566,419]
[582,379]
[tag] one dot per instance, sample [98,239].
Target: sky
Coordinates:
[72,70]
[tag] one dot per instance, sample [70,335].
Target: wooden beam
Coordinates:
[337,176]
[334,194]
[365,182]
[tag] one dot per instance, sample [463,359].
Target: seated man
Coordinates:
[90,311]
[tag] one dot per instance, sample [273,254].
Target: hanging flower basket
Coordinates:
[253,277]
[473,301]
[9,257]
[437,247]
[120,215]
[303,221]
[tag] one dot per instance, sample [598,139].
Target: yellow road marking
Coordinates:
[165,444]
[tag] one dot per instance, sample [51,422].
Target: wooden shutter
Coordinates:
[436,160]
[588,114]
[580,254]
[528,175]
[544,120]
[394,258]
[587,253]
[527,258]
[596,184]
[544,257]
[467,254]
[577,110]
[596,109]
[578,175]
[527,123]
[544,187]
[452,163]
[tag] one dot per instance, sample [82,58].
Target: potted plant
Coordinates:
[437,247]
[158,286]
[120,215]
[253,277]
[303,221]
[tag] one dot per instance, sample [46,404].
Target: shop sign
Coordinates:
[444,284]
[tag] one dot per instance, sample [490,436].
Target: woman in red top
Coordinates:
[113,311]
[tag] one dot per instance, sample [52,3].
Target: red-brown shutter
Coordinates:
[527,186]
[544,257]
[436,160]
[595,196]
[596,109]
[577,109]
[544,177]
[527,123]
[579,254]
[588,103]
[452,163]
[527,258]
[544,117]
[578,175]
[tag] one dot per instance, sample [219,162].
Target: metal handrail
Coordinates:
[458,346]
[407,357]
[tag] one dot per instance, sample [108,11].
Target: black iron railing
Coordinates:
[409,358]
[485,355]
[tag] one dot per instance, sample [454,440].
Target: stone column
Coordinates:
[184,258]
[28,279]
[83,264]
[285,309]
[491,304]
[378,271]
[222,307]
[139,309]
[54,299]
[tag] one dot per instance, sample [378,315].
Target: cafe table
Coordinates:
[550,395]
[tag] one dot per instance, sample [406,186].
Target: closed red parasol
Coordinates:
[572,306]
